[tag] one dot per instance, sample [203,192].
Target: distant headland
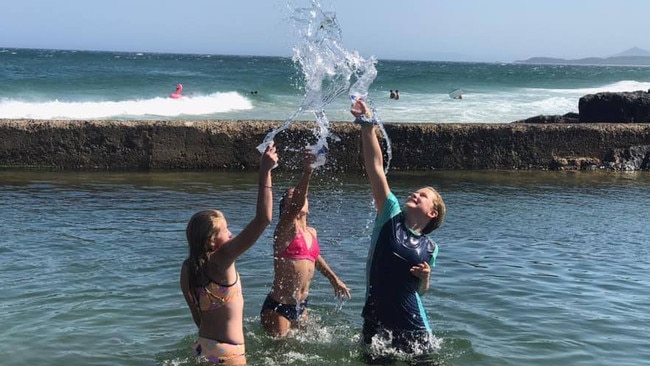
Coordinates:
[632,57]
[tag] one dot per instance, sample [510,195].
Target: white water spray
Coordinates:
[328,70]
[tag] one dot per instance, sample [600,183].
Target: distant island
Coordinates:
[633,57]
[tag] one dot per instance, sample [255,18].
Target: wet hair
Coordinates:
[439,206]
[286,198]
[200,230]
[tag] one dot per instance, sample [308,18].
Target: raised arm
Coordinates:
[340,289]
[372,156]
[263,214]
[284,231]
[300,191]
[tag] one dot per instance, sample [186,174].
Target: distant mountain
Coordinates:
[633,57]
[634,51]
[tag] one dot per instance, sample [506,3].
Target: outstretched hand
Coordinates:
[359,108]
[308,159]
[269,158]
[421,271]
[340,289]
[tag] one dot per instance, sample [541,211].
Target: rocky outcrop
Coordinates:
[229,145]
[620,107]
[623,107]
[570,117]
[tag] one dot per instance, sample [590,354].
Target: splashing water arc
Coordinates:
[328,70]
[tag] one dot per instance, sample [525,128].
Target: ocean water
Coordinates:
[535,268]
[59,84]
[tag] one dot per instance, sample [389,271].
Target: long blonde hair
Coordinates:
[200,230]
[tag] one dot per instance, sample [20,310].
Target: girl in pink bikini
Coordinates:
[296,255]
[209,280]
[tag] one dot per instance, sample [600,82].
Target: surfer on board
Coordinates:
[177,94]
[456,94]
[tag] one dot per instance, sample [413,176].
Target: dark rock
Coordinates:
[570,117]
[623,107]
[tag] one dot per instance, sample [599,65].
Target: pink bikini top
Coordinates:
[297,249]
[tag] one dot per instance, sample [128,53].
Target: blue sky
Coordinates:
[470,30]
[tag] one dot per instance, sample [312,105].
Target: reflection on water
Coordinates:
[541,268]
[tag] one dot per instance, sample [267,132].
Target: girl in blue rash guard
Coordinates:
[399,259]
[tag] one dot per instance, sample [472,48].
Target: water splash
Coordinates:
[328,70]
[340,303]
[381,346]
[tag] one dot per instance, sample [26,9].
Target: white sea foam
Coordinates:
[156,107]
[619,86]
[488,106]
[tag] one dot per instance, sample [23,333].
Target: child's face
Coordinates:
[421,201]
[223,236]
